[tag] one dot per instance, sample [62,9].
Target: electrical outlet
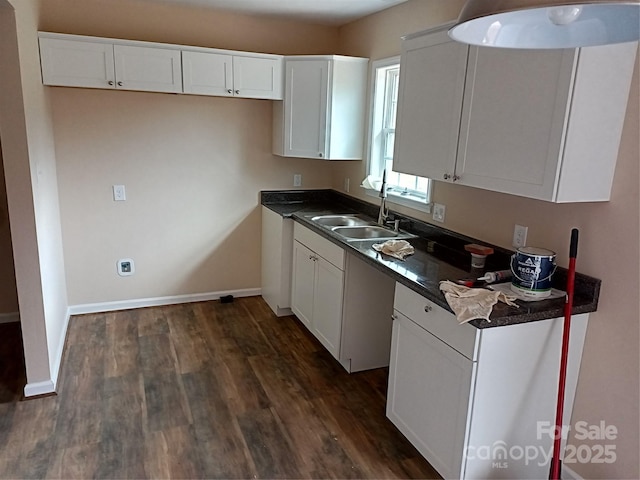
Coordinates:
[125,267]
[297,180]
[347,184]
[119,194]
[520,236]
[438,212]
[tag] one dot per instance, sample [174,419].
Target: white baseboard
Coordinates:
[55,370]
[158,301]
[570,474]
[9,317]
[39,388]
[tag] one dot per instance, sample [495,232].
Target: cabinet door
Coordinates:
[515,107]
[327,305]
[148,69]
[305,127]
[302,283]
[257,77]
[430,385]
[432,73]
[207,73]
[72,63]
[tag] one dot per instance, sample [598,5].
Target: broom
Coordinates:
[571,273]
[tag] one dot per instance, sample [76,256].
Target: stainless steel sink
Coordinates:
[354,227]
[367,232]
[340,220]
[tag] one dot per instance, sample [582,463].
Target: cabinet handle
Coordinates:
[447,176]
[394,317]
[237,92]
[110,82]
[230,91]
[428,308]
[456,178]
[119,84]
[320,155]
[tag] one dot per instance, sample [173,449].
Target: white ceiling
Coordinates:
[325,12]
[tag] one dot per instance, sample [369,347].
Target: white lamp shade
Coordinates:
[547,24]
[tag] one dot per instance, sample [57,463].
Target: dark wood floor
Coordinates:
[204,390]
[12,370]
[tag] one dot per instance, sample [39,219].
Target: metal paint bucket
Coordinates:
[532,269]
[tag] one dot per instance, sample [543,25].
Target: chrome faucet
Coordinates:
[384,211]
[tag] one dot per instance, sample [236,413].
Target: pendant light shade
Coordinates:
[547,24]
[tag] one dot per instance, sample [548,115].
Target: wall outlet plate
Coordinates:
[119,193]
[438,212]
[125,267]
[297,180]
[520,236]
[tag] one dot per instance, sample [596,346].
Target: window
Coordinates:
[404,189]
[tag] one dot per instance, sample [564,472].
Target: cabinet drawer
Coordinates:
[437,321]
[323,247]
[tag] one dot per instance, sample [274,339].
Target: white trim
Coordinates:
[9,317]
[570,474]
[406,202]
[158,301]
[39,388]
[55,368]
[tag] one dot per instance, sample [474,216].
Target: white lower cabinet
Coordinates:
[317,287]
[346,303]
[277,248]
[474,401]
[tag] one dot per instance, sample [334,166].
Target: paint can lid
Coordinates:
[537,251]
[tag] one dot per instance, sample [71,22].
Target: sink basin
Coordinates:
[366,232]
[339,220]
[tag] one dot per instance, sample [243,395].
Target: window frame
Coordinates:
[376,101]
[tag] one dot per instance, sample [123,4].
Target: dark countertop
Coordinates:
[439,255]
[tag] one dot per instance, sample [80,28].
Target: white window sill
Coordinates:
[404,200]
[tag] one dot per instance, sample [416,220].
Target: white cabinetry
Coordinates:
[207,72]
[322,115]
[346,303]
[543,124]
[466,397]
[317,286]
[432,78]
[277,250]
[89,62]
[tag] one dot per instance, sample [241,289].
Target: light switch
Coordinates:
[119,194]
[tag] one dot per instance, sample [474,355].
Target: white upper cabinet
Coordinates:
[543,124]
[72,61]
[92,62]
[432,78]
[148,69]
[322,115]
[248,76]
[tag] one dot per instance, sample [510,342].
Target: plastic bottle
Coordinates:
[492,277]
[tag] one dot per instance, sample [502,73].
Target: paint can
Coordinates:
[532,269]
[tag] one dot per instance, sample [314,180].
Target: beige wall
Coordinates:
[30,174]
[8,292]
[609,245]
[192,166]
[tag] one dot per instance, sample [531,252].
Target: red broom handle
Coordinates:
[573,253]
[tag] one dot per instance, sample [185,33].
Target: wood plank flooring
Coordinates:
[204,390]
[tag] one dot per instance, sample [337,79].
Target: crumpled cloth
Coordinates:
[471,303]
[394,248]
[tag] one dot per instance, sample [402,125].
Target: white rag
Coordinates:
[395,248]
[471,303]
